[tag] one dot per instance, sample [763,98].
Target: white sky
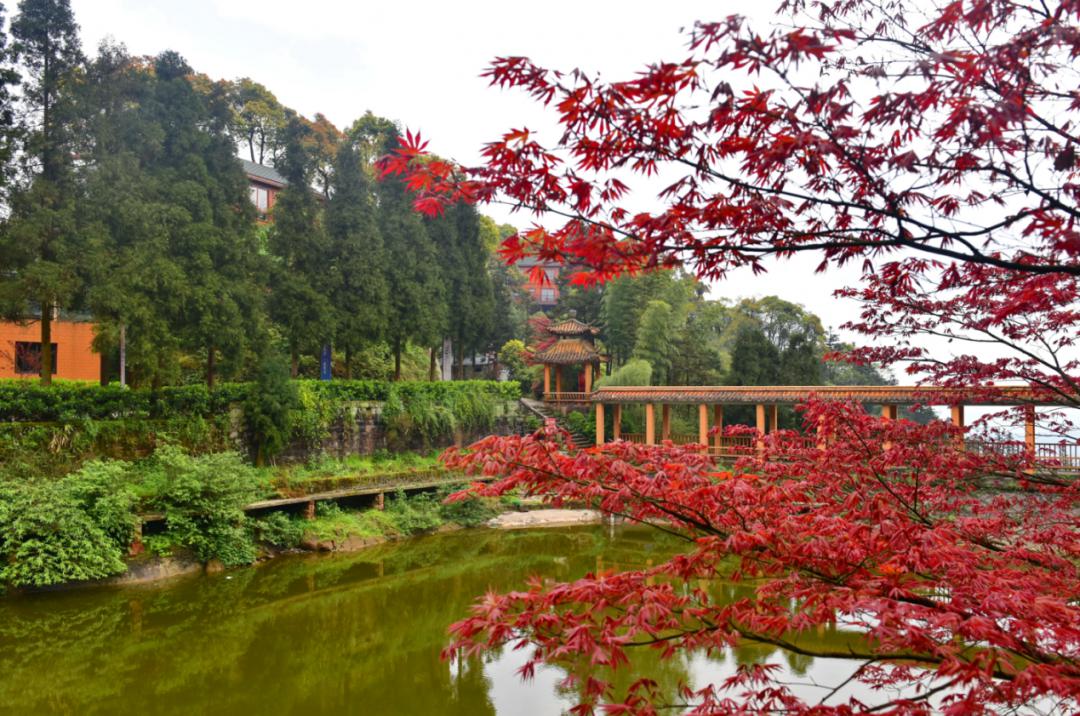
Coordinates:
[419,63]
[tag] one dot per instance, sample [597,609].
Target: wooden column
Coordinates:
[1029,428]
[958,421]
[588,377]
[760,426]
[650,424]
[547,379]
[703,424]
[773,417]
[888,412]
[665,422]
[616,422]
[718,423]
[558,378]
[599,422]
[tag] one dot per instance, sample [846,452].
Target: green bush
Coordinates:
[277,529]
[412,515]
[29,401]
[202,500]
[268,408]
[73,529]
[470,512]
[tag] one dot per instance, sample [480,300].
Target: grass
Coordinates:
[353,469]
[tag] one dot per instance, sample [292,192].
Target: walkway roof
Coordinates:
[792,394]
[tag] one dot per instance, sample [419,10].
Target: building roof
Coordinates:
[567,351]
[263,173]
[792,394]
[571,327]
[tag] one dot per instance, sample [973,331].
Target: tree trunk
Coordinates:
[348,363]
[46,343]
[431,365]
[294,369]
[461,359]
[211,362]
[397,359]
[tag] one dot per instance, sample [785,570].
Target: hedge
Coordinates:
[29,401]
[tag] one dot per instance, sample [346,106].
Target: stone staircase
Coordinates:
[544,412]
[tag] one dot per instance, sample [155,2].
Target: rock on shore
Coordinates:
[545,518]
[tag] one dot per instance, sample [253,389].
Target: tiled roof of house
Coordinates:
[263,173]
[792,394]
[572,327]
[567,351]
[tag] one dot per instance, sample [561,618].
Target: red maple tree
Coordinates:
[935,146]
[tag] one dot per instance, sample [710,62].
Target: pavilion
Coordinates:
[575,344]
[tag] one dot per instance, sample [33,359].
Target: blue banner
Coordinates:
[326,364]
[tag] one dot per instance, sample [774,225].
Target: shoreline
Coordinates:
[156,570]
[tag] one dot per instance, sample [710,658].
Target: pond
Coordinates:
[329,634]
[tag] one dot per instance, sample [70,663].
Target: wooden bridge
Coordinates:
[710,402]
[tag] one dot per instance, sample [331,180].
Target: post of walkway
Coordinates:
[616,422]
[703,424]
[958,421]
[888,412]
[1029,428]
[718,423]
[773,417]
[761,426]
[588,377]
[547,379]
[558,378]
[650,424]
[665,422]
[599,423]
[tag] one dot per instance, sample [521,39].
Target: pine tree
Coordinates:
[168,216]
[417,307]
[360,293]
[299,301]
[42,245]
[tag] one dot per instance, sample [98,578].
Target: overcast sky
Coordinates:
[419,63]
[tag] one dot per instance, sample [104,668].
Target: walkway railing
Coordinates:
[567,397]
[1055,456]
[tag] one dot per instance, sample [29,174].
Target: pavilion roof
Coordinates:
[567,351]
[792,394]
[572,327]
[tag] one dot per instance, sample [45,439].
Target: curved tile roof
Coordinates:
[566,351]
[572,327]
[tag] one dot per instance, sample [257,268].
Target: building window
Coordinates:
[28,358]
[260,197]
[547,295]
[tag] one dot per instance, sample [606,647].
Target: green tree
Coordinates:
[417,307]
[625,300]
[360,292]
[322,143]
[655,343]
[43,247]
[470,296]
[257,120]
[168,217]
[299,302]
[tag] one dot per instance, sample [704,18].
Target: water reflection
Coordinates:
[326,634]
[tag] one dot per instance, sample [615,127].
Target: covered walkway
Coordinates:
[710,402]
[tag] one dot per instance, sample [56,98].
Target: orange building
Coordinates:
[264,183]
[73,354]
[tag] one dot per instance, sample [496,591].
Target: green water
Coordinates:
[324,634]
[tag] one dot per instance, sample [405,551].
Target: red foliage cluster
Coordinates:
[935,146]
[965,597]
